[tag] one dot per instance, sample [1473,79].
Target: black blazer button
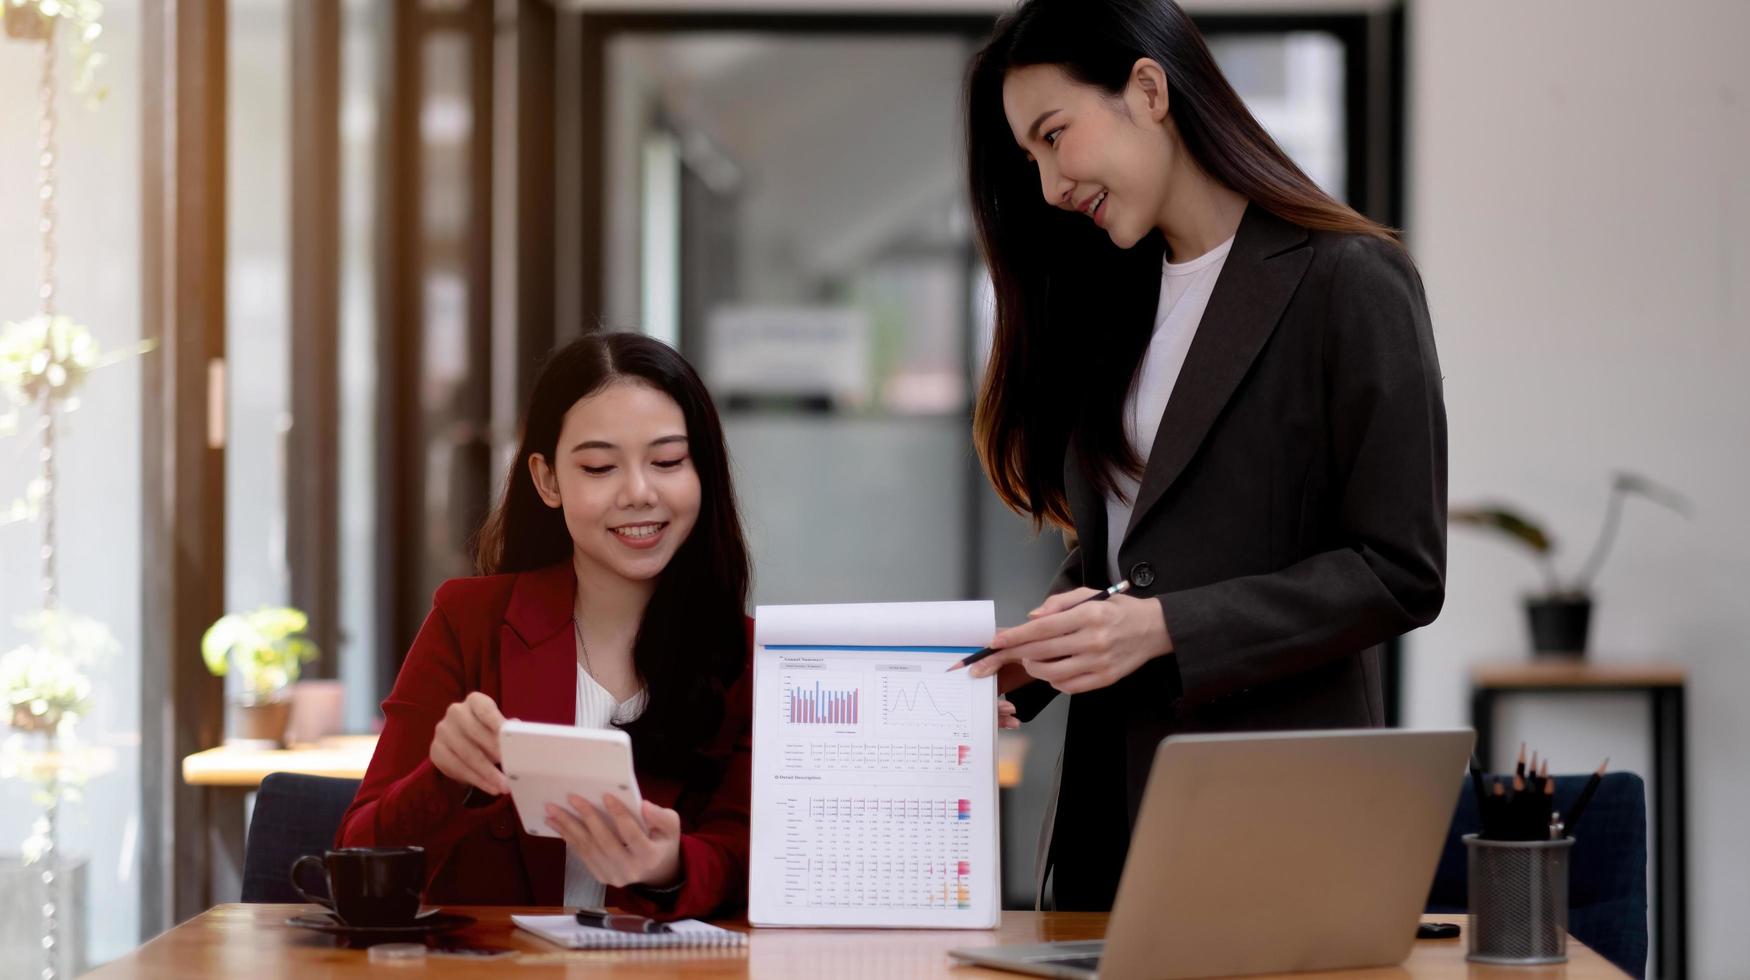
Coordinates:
[1142,575]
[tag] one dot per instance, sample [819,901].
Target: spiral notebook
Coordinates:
[686,934]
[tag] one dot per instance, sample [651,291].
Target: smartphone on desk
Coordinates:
[464,951]
[547,763]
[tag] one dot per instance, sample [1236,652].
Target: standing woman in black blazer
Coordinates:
[1219,381]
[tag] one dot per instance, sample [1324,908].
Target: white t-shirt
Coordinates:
[1185,289]
[596,708]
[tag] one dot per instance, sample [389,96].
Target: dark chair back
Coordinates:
[1607,870]
[294,815]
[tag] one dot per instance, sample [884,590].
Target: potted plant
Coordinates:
[269,647]
[47,683]
[1560,616]
[35,20]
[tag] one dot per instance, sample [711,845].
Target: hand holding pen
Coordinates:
[1006,710]
[1119,589]
[1076,642]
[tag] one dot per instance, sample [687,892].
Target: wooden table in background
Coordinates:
[346,756]
[254,941]
[240,767]
[1663,686]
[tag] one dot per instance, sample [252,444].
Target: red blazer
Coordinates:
[510,637]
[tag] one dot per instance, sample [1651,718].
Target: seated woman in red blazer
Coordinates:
[613,592]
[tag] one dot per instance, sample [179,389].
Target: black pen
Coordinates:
[602,919]
[1579,807]
[1494,814]
[1119,589]
[1519,809]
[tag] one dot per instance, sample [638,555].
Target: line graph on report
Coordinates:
[940,705]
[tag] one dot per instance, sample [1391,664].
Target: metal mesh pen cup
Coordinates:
[1518,900]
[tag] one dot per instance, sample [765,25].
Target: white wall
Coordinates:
[1580,210]
[98,495]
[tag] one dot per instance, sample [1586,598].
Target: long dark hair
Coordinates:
[692,642]
[1047,391]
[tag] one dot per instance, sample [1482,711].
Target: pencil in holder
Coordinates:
[1518,900]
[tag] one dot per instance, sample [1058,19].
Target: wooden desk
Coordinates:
[253,940]
[1663,685]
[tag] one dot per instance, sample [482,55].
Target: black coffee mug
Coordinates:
[369,886]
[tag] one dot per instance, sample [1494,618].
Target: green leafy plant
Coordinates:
[47,681]
[35,20]
[52,355]
[1527,532]
[268,645]
[45,355]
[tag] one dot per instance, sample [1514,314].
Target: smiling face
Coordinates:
[623,476]
[1110,158]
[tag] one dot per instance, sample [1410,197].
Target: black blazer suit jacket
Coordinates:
[1291,516]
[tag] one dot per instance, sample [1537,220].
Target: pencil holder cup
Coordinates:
[1518,900]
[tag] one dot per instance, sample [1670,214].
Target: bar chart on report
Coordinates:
[822,701]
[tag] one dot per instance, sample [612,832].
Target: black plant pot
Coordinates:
[1559,624]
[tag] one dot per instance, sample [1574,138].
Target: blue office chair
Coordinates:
[295,815]
[1607,870]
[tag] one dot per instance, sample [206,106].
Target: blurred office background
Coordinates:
[351,227]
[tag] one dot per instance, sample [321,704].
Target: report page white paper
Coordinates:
[874,768]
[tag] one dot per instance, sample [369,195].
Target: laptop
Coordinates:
[1270,852]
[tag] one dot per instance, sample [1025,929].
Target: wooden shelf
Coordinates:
[1576,673]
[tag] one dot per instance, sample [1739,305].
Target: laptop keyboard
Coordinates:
[1075,956]
[1063,951]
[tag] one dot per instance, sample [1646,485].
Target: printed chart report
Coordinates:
[874,769]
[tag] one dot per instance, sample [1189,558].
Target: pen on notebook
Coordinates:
[1119,589]
[601,919]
